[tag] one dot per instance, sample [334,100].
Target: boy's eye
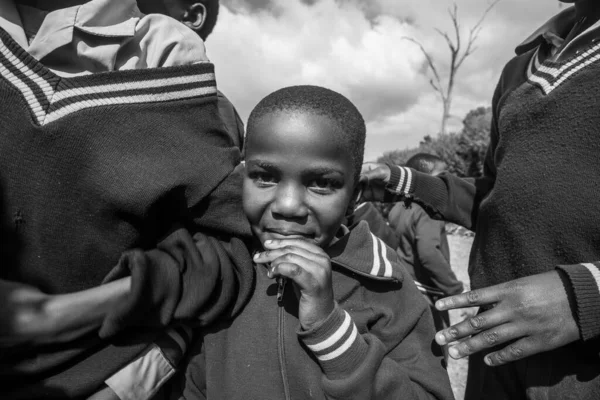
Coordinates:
[263,179]
[324,185]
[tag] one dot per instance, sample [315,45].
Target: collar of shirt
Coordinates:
[554,33]
[104,35]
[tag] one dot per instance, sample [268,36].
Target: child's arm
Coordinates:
[393,360]
[428,236]
[200,278]
[28,316]
[528,315]
[445,197]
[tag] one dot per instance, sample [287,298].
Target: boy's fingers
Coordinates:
[292,271]
[513,352]
[471,326]
[299,243]
[270,256]
[484,340]
[479,297]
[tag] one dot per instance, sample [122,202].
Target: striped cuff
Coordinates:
[401,180]
[585,282]
[336,344]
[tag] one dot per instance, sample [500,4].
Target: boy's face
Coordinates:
[299,180]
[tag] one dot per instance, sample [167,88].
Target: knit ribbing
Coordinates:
[587,296]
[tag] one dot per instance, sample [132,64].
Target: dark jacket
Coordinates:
[423,247]
[107,175]
[376,344]
[378,225]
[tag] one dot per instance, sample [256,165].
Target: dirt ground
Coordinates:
[460,247]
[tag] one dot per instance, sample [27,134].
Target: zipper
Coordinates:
[281,334]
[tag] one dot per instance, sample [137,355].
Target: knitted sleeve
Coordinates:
[446,196]
[584,280]
[393,360]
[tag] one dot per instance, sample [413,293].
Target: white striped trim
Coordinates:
[120,87]
[388,266]
[380,250]
[142,98]
[405,176]
[343,348]
[408,180]
[595,273]
[335,337]
[559,74]
[52,96]
[376,263]
[401,180]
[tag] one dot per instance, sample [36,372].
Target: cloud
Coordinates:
[356,47]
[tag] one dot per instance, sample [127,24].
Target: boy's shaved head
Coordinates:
[427,163]
[320,101]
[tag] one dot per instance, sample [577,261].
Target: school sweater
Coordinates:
[423,247]
[376,344]
[535,208]
[108,175]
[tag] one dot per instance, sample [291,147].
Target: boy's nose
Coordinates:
[289,202]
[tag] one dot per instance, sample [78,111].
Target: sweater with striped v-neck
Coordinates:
[536,207]
[93,166]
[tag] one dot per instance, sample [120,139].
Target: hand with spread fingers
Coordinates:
[528,316]
[309,268]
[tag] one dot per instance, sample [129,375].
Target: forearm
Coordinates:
[444,197]
[32,317]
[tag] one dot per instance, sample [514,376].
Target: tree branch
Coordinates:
[430,62]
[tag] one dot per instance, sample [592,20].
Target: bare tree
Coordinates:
[460,48]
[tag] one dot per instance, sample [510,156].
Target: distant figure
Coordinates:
[378,225]
[423,245]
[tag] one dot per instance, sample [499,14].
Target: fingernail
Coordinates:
[256,256]
[441,339]
[453,351]
[268,241]
[488,361]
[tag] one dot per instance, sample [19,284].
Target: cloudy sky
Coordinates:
[356,47]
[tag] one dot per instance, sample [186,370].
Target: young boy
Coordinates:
[112,152]
[333,314]
[423,245]
[535,258]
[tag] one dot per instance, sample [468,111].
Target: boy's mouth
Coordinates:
[287,234]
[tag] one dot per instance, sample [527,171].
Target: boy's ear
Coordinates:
[355,200]
[195,16]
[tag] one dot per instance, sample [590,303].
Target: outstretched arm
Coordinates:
[28,316]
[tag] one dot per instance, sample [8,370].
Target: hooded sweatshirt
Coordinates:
[376,344]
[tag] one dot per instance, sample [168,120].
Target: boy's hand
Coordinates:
[531,313]
[373,178]
[309,267]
